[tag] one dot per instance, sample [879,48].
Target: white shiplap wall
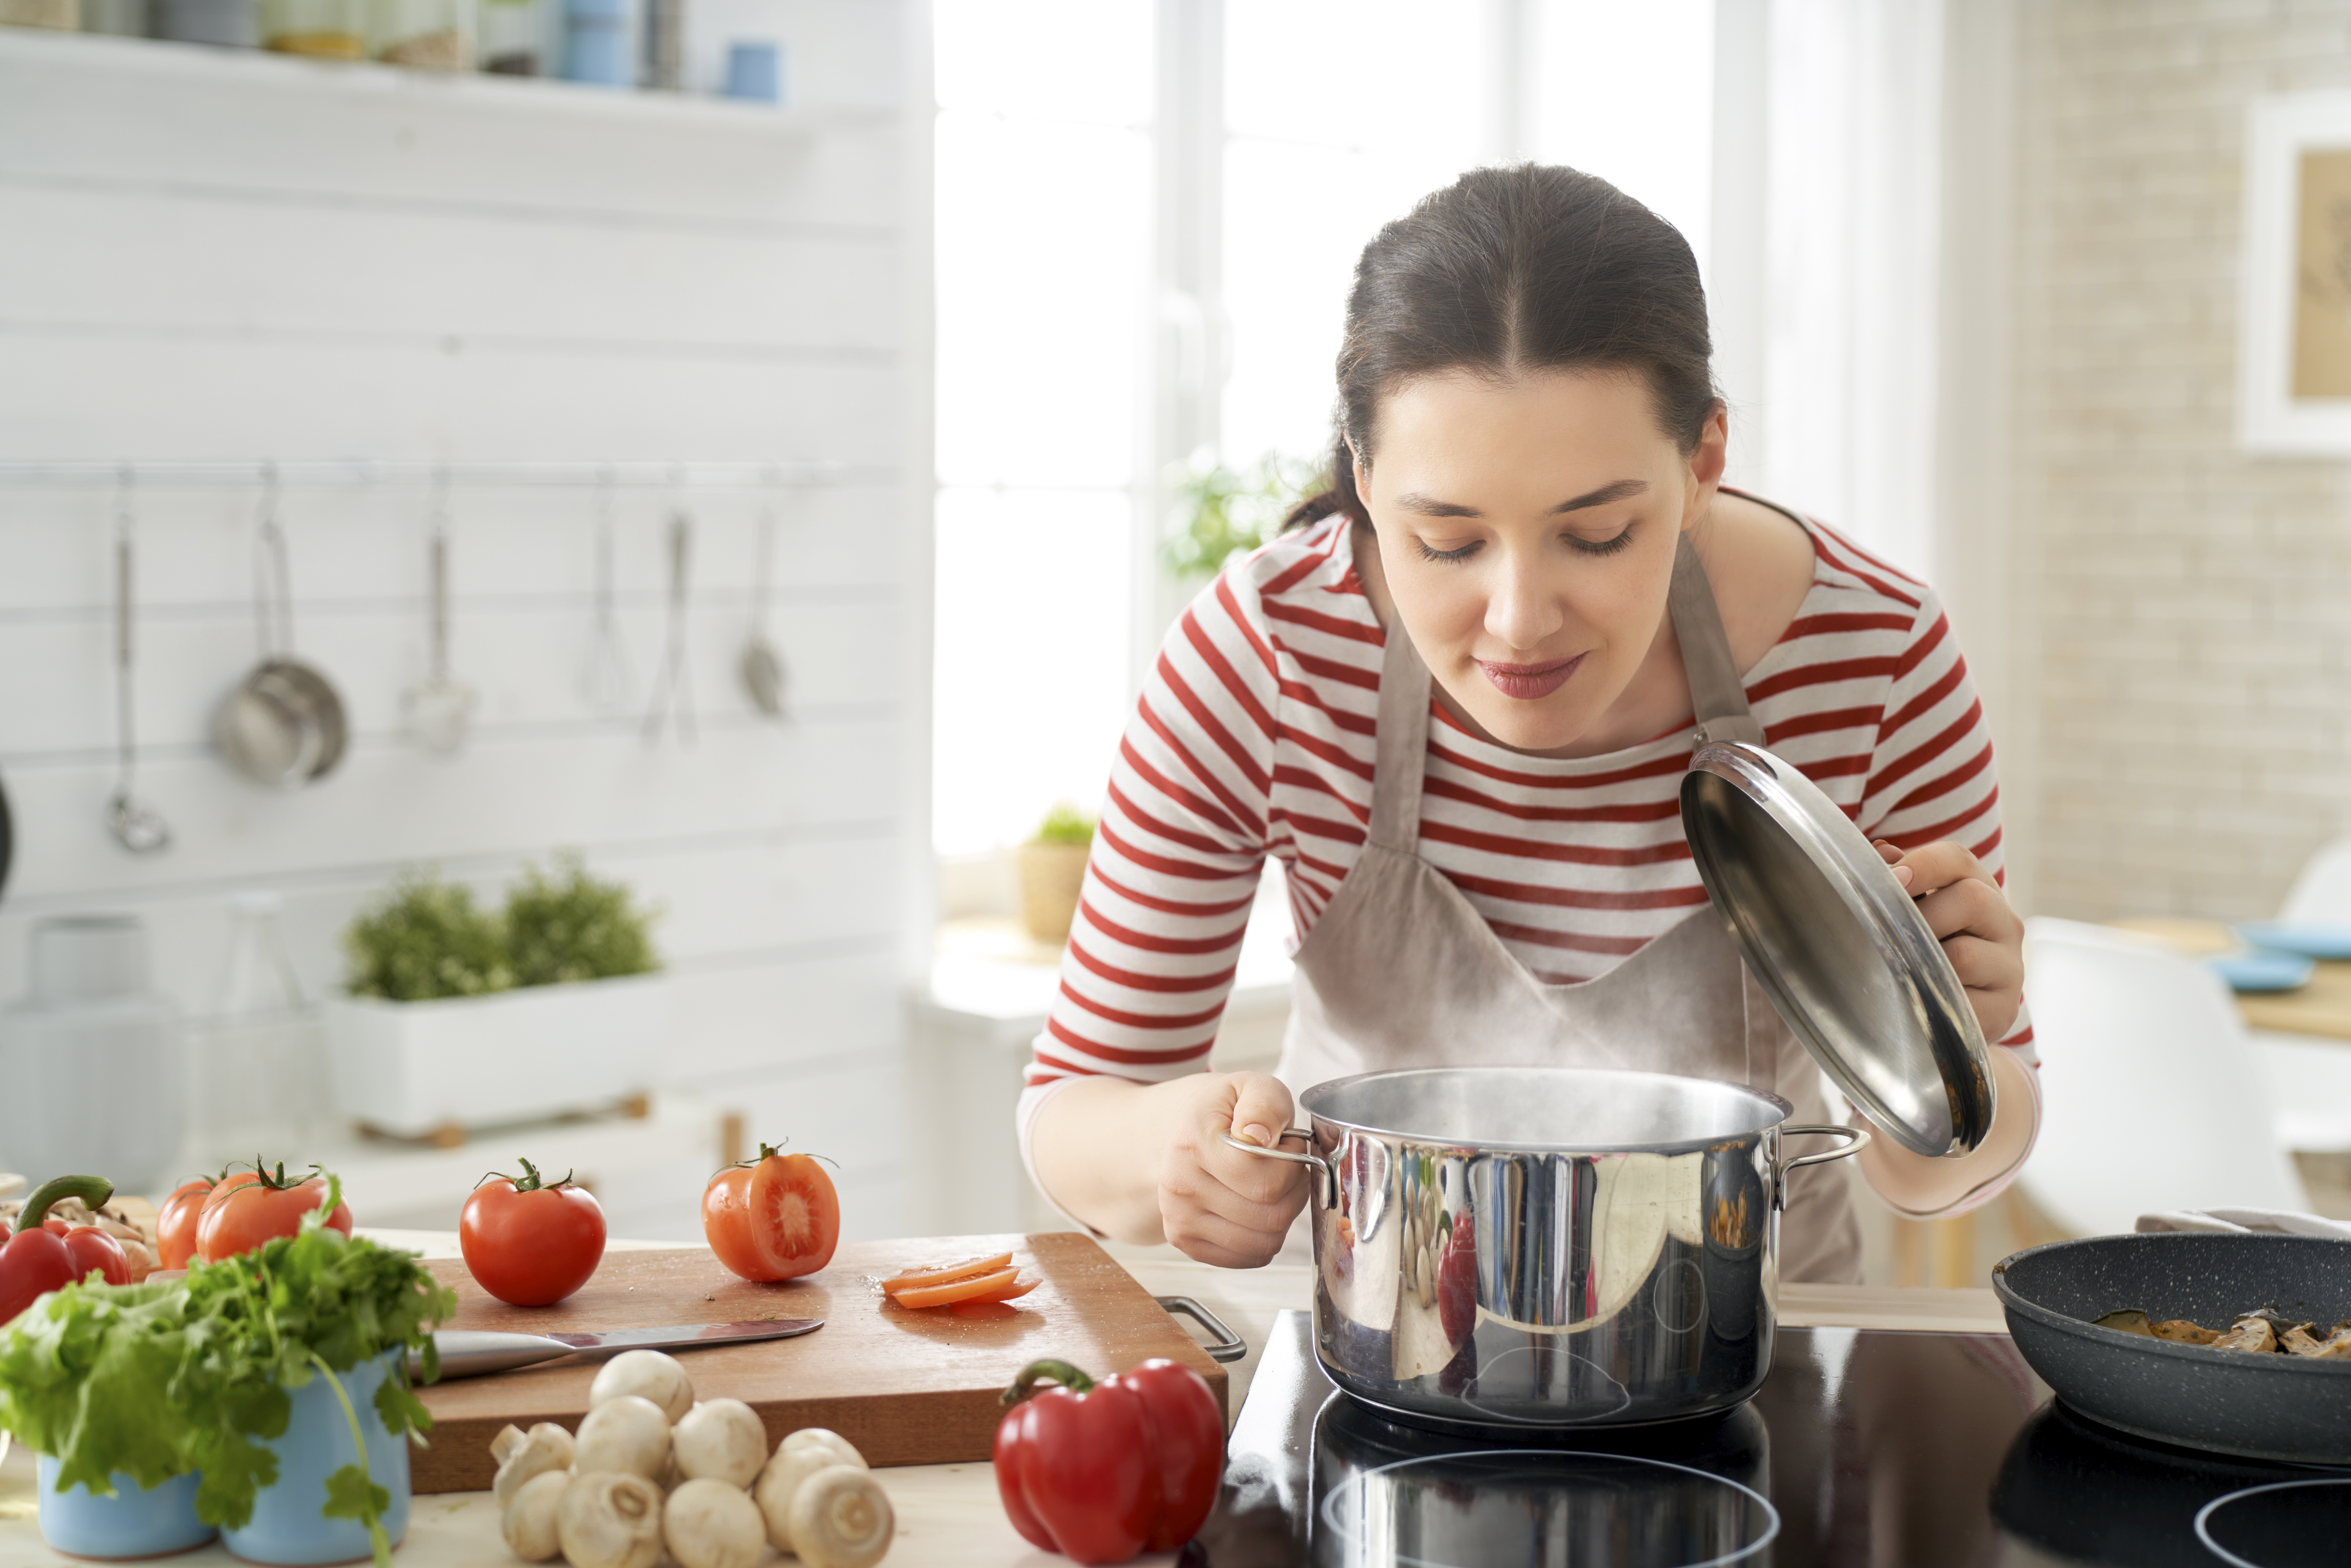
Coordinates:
[210,256]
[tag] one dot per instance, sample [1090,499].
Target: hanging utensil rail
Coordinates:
[405,471]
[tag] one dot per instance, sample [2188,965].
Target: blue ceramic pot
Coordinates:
[130,1524]
[287,1526]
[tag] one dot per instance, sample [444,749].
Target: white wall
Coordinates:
[210,256]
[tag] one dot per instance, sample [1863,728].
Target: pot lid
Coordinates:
[1847,958]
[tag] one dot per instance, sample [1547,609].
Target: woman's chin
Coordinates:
[1533,726]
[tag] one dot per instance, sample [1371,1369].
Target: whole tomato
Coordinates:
[175,1224]
[532,1242]
[253,1207]
[774,1217]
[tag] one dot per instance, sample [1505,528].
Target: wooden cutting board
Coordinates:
[906,1387]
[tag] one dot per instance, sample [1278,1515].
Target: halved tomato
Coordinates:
[774,1217]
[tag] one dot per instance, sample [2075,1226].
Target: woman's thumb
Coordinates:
[1260,1108]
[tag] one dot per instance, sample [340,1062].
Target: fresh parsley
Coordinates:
[156,1381]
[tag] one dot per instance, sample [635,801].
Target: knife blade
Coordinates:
[476,1353]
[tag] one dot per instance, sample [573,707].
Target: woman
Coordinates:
[1456,702]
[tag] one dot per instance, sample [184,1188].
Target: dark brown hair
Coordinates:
[1505,270]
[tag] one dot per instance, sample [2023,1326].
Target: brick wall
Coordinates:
[2191,604]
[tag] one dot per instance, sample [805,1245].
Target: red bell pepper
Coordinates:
[1101,1471]
[45,1255]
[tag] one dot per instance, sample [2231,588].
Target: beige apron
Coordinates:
[1402,971]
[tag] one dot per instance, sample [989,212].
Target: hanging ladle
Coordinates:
[136,825]
[441,708]
[673,689]
[605,681]
[762,666]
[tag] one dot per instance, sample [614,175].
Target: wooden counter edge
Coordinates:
[1913,1307]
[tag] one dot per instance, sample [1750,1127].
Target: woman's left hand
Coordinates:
[1970,916]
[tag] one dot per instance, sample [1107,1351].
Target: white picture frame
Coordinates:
[2293,393]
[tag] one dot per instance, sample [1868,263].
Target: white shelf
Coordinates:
[260,69]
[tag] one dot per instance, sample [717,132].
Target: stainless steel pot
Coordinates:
[1516,1247]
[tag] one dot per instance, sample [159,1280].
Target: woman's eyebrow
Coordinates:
[1603,496]
[1430,507]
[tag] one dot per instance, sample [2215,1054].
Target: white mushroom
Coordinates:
[798,1457]
[610,1519]
[648,1374]
[720,1440]
[841,1517]
[546,1447]
[709,1524]
[529,1522]
[627,1435]
[506,1442]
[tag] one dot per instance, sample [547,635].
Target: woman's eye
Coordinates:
[1460,552]
[1601,546]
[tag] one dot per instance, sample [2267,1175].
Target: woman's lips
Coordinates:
[1527,682]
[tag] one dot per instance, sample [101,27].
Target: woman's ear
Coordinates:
[1707,464]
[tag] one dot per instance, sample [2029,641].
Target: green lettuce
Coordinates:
[156,1381]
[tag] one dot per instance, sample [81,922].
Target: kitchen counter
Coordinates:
[948,1514]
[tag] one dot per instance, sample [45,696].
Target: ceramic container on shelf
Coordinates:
[424,35]
[288,1527]
[598,38]
[132,1523]
[413,1069]
[225,24]
[92,1058]
[755,70]
[320,29]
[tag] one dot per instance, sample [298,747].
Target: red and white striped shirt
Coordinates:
[1253,737]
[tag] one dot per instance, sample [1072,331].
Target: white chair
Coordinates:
[2322,889]
[2152,1095]
[2310,1078]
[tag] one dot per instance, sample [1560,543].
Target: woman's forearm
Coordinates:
[1097,1148]
[1916,1184]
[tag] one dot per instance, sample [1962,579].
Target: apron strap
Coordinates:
[1402,751]
[1718,696]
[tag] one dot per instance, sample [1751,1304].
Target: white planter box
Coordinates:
[414,1068]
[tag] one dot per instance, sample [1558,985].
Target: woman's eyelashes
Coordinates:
[1583,546]
[1576,542]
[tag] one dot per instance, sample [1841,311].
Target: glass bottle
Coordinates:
[427,34]
[321,29]
[515,35]
[258,1054]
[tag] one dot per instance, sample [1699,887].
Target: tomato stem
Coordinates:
[770,1150]
[531,1181]
[280,1182]
[1037,1372]
[93,1191]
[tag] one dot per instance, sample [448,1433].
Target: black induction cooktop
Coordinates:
[1886,1450]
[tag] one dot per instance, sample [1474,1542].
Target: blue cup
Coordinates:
[287,1526]
[133,1522]
[596,36]
[755,70]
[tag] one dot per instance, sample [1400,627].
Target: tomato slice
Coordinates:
[1017,1289]
[985,1288]
[944,1274]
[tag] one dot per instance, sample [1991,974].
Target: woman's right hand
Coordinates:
[1218,1204]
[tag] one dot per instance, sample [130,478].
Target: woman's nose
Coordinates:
[1522,611]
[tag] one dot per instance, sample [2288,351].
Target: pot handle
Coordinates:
[1327,1188]
[1855,1140]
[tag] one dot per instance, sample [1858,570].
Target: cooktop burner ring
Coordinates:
[2204,1516]
[1357,1483]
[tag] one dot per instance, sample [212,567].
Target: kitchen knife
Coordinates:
[474,1352]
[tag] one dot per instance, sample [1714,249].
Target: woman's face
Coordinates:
[1527,530]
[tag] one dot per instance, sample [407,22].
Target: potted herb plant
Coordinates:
[266,1395]
[1054,873]
[453,1015]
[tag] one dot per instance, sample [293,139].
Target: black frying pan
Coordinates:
[7,838]
[2262,1406]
